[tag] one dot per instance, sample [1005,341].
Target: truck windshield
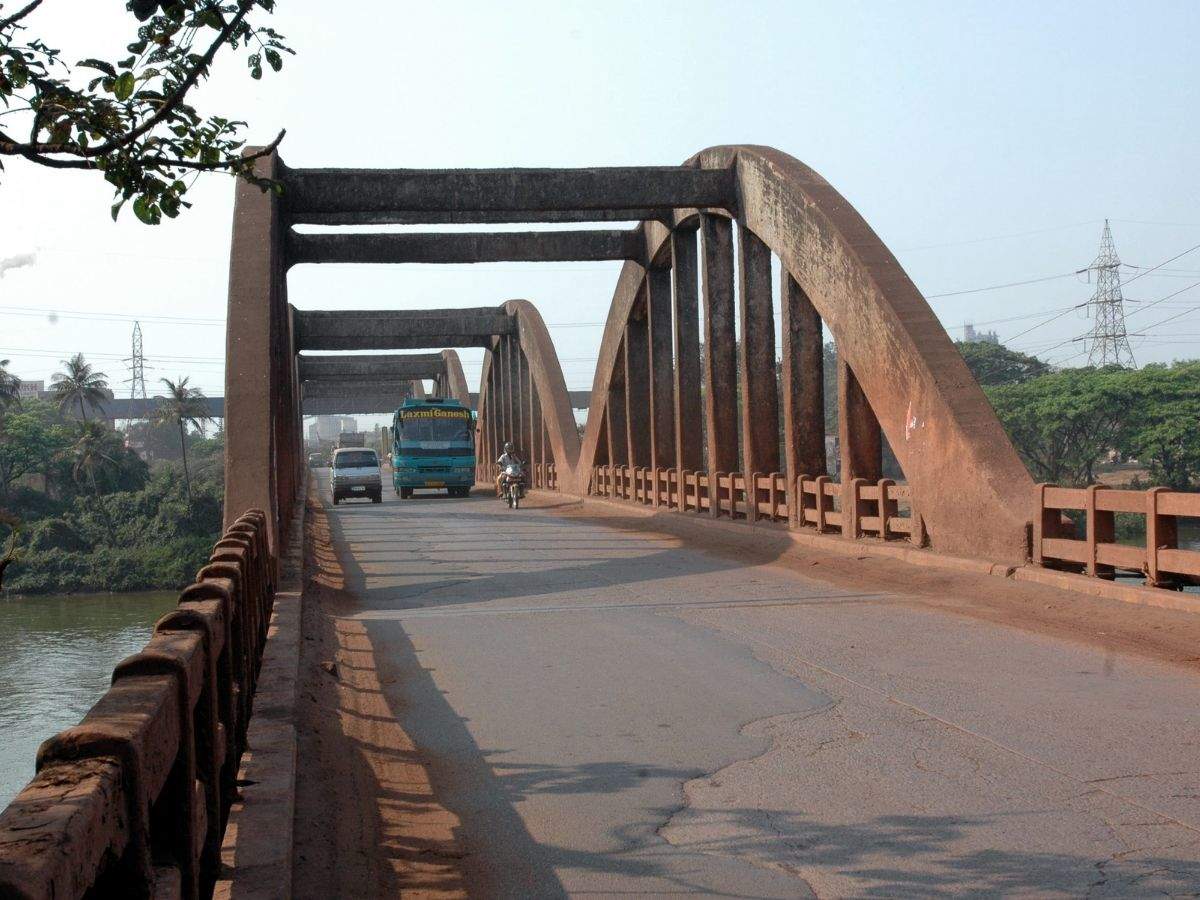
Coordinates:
[356,460]
[417,427]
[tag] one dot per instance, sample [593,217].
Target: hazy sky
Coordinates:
[984,142]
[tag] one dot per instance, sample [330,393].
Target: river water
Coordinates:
[56,658]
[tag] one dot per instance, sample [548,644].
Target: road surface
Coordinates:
[549,703]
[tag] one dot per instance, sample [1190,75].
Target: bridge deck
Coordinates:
[543,702]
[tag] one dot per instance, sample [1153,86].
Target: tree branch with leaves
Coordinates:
[132,120]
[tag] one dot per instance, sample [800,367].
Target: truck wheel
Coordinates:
[335,499]
[405,493]
[378,498]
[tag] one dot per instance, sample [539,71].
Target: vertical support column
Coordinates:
[257,300]
[689,450]
[1162,533]
[720,361]
[860,441]
[760,399]
[803,387]
[637,387]
[505,391]
[535,427]
[859,437]
[614,411]
[519,421]
[662,369]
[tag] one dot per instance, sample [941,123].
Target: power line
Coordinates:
[997,287]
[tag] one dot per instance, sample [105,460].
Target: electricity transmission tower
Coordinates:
[137,374]
[1108,344]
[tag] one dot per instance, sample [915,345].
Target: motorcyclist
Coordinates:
[507,458]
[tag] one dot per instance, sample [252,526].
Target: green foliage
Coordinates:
[995,364]
[30,441]
[128,117]
[79,385]
[107,522]
[1065,423]
[10,385]
[1164,431]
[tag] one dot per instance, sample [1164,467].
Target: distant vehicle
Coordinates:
[433,446]
[351,439]
[354,472]
[316,460]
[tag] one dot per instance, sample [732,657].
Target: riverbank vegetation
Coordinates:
[85,512]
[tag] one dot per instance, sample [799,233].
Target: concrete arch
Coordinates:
[972,486]
[456,381]
[515,414]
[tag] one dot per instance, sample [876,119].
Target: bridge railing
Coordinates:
[1057,543]
[133,801]
[855,509]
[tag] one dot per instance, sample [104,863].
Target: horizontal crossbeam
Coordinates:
[367,402]
[382,195]
[525,246]
[380,367]
[399,329]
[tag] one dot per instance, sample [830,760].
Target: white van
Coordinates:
[354,472]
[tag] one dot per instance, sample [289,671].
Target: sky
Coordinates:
[985,143]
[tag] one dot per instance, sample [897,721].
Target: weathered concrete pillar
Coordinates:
[859,438]
[689,447]
[637,387]
[760,398]
[254,372]
[506,401]
[614,411]
[803,383]
[720,361]
[537,454]
[662,370]
[519,420]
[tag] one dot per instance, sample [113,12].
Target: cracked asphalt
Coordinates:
[605,712]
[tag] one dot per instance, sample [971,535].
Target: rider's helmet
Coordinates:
[508,447]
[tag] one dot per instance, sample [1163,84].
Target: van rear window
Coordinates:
[355,460]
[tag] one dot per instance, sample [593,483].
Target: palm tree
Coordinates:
[79,384]
[10,386]
[183,406]
[91,452]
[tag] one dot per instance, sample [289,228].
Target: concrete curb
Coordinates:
[1067,581]
[256,854]
[1099,587]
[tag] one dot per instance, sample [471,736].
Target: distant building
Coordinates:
[982,337]
[31,390]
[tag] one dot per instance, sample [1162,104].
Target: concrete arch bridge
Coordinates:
[705,658]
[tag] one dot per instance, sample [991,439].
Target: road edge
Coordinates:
[256,853]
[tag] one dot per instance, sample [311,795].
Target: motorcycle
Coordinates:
[512,485]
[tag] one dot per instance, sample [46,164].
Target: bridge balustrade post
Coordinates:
[760,399]
[720,362]
[714,494]
[661,367]
[887,507]
[751,491]
[654,477]
[1101,529]
[1162,533]
[822,499]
